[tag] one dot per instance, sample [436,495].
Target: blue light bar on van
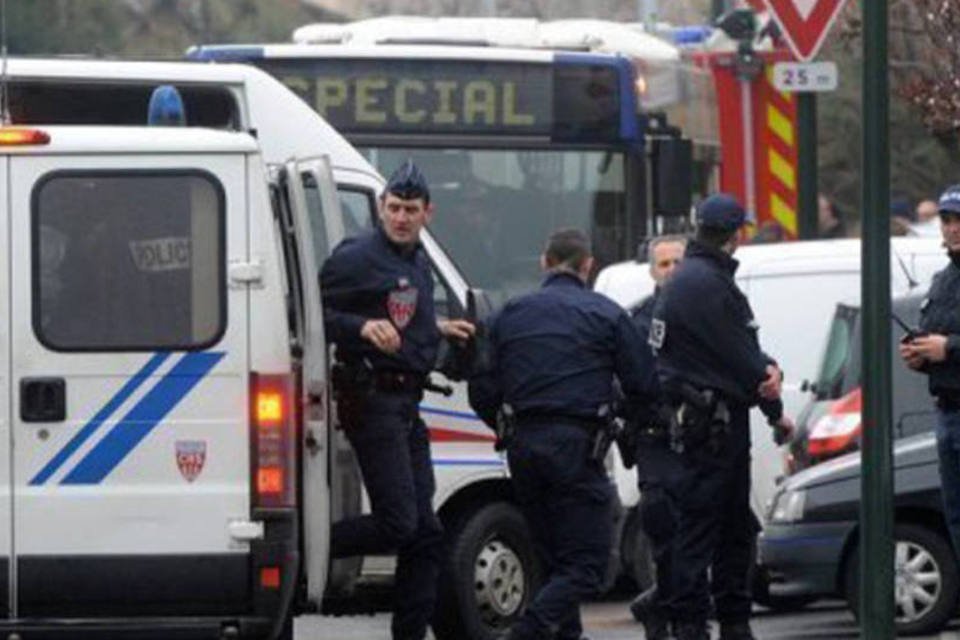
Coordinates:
[166,108]
[696,34]
[225,53]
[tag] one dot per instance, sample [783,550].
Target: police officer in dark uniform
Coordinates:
[657,464]
[711,371]
[554,354]
[378,304]
[935,350]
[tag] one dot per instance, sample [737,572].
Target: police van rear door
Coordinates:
[310,196]
[5,439]
[130,421]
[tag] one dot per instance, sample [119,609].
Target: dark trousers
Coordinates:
[568,503]
[393,449]
[660,472]
[948,450]
[716,530]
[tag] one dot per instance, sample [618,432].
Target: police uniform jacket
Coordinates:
[555,352]
[369,277]
[705,333]
[940,313]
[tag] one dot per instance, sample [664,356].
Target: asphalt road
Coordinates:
[612,621]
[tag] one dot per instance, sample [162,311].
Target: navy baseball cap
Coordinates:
[949,202]
[721,211]
[408,183]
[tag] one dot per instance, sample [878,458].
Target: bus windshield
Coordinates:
[495,208]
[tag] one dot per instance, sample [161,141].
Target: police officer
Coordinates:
[711,371]
[657,464]
[378,305]
[935,350]
[554,354]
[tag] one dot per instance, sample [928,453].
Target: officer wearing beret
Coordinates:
[935,350]
[712,370]
[554,355]
[378,307]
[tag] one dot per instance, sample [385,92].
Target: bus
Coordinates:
[516,134]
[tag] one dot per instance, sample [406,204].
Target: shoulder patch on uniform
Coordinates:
[658,333]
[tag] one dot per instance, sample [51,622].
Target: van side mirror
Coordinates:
[672,176]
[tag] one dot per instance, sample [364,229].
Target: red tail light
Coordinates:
[273,440]
[837,432]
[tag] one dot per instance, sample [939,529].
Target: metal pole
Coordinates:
[876,507]
[807,161]
[749,153]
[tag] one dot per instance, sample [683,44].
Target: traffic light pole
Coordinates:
[876,507]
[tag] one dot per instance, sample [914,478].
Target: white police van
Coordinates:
[473,498]
[152,415]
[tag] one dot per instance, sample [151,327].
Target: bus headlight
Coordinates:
[788,506]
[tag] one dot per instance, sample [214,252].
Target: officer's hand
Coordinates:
[770,388]
[382,334]
[910,356]
[932,347]
[783,430]
[460,330]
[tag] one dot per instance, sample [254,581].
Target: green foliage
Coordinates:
[147,28]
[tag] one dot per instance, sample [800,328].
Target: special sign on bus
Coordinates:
[459,99]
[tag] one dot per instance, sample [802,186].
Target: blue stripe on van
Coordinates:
[88,429]
[143,418]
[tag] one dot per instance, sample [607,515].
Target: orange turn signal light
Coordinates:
[17,137]
[269,408]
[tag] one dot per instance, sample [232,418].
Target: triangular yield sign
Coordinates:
[805,23]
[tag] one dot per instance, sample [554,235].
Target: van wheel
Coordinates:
[489,575]
[926,580]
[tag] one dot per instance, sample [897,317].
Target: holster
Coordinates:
[506,427]
[699,419]
[352,386]
[608,430]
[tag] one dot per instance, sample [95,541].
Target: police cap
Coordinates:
[949,203]
[408,183]
[721,211]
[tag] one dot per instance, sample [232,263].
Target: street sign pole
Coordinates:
[876,507]
[807,164]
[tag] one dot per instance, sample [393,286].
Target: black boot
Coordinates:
[645,610]
[736,631]
[692,630]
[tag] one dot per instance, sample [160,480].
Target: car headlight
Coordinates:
[788,506]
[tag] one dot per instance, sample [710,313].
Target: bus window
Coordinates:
[495,208]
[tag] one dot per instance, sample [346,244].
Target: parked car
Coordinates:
[830,425]
[809,546]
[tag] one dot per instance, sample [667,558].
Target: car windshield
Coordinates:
[495,207]
[836,356]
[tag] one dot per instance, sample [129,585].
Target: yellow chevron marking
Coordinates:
[783,170]
[783,214]
[780,124]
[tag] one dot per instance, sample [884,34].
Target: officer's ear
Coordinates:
[428,212]
[544,266]
[586,268]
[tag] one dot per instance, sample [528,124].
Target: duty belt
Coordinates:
[590,424]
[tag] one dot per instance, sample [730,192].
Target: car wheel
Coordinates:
[490,574]
[926,576]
